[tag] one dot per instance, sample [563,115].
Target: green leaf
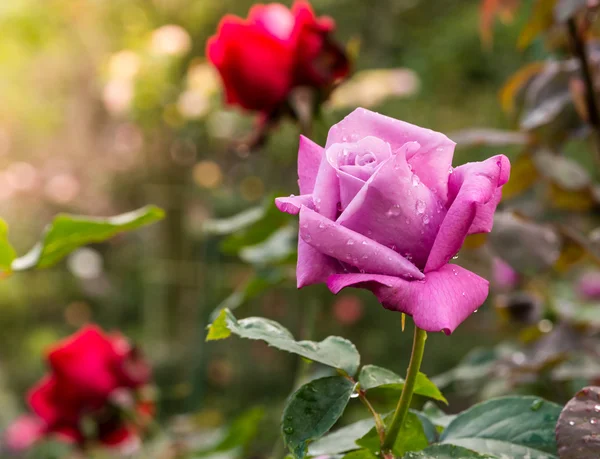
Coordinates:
[372,377]
[69,232]
[513,426]
[312,410]
[277,248]
[579,425]
[235,223]
[411,438]
[7,252]
[341,440]
[333,351]
[447,452]
[258,283]
[360,454]
[241,431]
[437,416]
[218,329]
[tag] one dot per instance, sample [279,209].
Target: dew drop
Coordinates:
[394,211]
[420,206]
[415,180]
[354,395]
[364,242]
[425,219]
[389,258]
[321,225]
[464,294]
[288,430]
[289,418]
[292,195]
[350,242]
[475,311]
[450,170]
[593,421]
[455,257]
[365,257]
[571,423]
[409,166]
[362,271]
[597,408]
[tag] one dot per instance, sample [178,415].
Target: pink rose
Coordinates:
[381,208]
[588,286]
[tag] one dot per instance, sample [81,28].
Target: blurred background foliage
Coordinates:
[109,104]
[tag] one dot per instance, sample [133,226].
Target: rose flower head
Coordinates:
[91,373]
[382,208]
[276,49]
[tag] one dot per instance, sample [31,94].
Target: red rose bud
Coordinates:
[262,58]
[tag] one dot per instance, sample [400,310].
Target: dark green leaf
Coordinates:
[69,232]
[334,351]
[447,452]
[341,440]
[374,377]
[7,252]
[241,431]
[360,454]
[437,416]
[513,426]
[578,427]
[312,410]
[411,438]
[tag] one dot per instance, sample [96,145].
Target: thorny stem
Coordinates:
[579,49]
[407,391]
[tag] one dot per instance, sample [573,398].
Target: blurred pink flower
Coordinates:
[382,208]
[588,286]
[503,276]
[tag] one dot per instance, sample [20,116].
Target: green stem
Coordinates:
[407,391]
[379,425]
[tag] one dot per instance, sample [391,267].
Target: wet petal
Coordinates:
[292,204]
[309,158]
[313,267]
[472,194]
[440,302]
[353,248]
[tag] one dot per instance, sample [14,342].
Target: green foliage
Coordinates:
[7,252]
[372,376]
[241,431]
[447,452]
[333,351]
[361,454]
[514,426]
[412,437]
[312,410]
[341,440]
[68,232]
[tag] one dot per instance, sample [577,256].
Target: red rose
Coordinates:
[262,58]
[86,369]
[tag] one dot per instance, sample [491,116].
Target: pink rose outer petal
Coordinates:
[24,433]
[292,204]
[309,158]
[440,302]
[353,248]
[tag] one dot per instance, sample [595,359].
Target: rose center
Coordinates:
[365,158]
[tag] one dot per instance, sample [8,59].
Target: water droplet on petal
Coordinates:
[389,258]
[420,206]
[464,294]
[292,195]
[394,211]
[364,242]
[571,423]
[597,408]
[415,180]
[455,257]
[593,421]
[409,166]
[475,311]
[321,225]
[350,242]
[425,219]
[450,170]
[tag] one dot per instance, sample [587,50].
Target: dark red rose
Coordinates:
[262,58]
[87,370]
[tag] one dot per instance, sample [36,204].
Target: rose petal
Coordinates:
[42,400]
[274,18]
[440,302]
[292,204]
[24,433]
[353,248]
[84,363]
[471,189]
[326,194]
[309,159]
[313,267]
[431,162]
[395,209]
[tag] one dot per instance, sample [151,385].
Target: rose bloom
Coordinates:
[261,58]
[86,370]
[588,286]
[382,208]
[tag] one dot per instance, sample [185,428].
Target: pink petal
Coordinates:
[471,189]
[504,277]
[24,433]
[274,18]
[440,302]
[313,267]
[353,248]
[395,209]
[431,162]
[326,194]
[309,158]
[292,204]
